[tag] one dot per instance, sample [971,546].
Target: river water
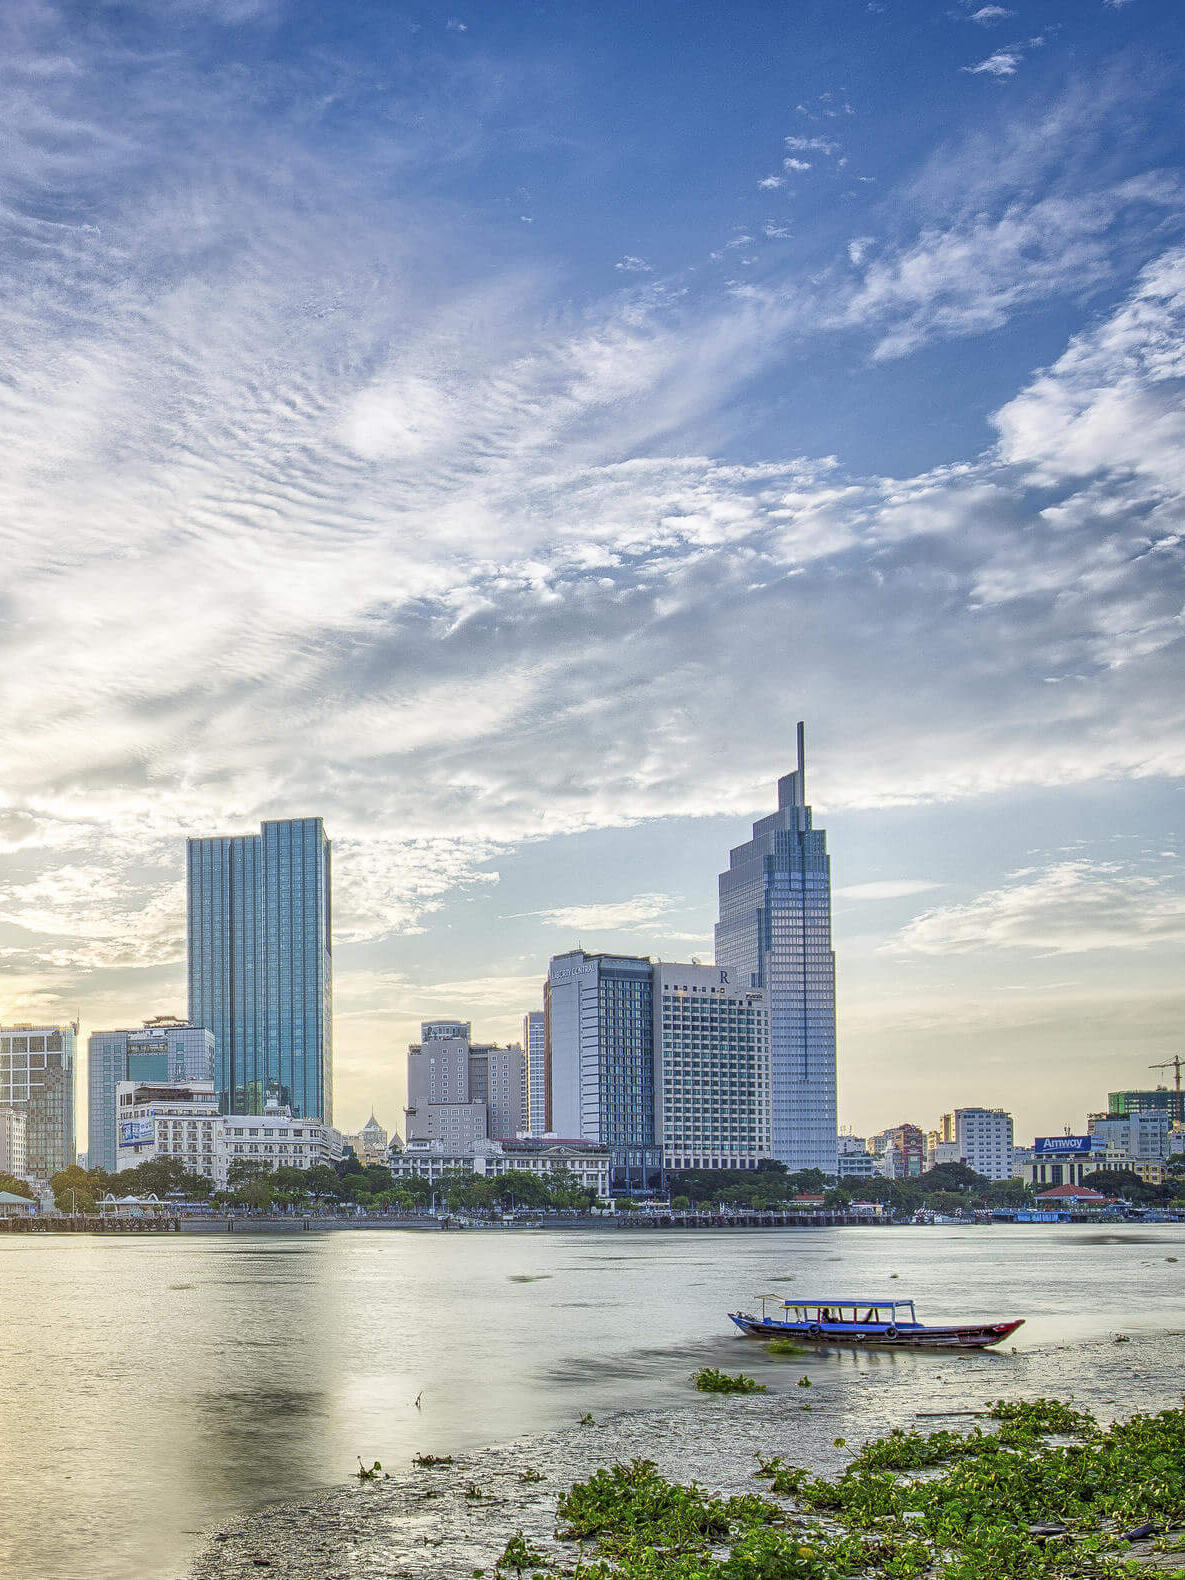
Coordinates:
[155,1387]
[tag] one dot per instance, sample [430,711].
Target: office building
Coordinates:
[711,1089]
[37,1077]
[182,1121]
[14,1131]
[774,932]
[599,1034]
[1161,1099]
[164,1049]
[979,1137]
[535,1049]
[1138,1136]
[260,964]
[460,1092]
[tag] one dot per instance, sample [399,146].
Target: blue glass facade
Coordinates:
[260,964]
[775,927]
[599,1037]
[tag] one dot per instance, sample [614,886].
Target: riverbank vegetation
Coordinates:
[258,1186]
[947,1188]
[1046,1492]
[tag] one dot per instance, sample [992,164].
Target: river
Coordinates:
[155,1387]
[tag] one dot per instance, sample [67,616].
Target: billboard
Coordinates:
[1064,1146]
[136,1133]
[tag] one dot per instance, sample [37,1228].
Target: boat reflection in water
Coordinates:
[891,1323]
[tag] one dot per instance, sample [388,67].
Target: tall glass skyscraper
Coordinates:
[775,926]
[261,964]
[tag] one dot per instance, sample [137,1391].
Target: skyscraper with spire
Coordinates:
[775,928]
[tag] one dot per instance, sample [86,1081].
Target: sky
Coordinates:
[491,427]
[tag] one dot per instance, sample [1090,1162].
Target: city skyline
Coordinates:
[507,426]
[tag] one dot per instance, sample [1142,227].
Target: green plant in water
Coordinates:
[785,1347]
[426,1461]
[804,1381]
[989,1505]
[709,1380]
[587,1420]
[519,1555]
[370,1473]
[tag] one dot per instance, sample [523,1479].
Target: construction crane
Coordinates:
[1174,1064]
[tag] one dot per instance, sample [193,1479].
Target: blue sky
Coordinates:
[493,427]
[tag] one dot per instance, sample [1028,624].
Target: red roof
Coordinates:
[1072,1193]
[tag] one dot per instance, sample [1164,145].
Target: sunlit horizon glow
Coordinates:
[491,432]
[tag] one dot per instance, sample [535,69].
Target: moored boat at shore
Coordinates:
[890,1323]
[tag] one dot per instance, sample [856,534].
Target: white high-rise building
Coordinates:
[979,1137]
[535,1049]
[711,1076]
[774,933]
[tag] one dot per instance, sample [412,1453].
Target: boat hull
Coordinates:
[903,1336]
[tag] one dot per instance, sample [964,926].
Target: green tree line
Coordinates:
[347,1183]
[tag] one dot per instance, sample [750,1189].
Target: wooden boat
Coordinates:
[890,1323]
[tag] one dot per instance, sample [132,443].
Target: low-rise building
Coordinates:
[586,1162]
[900,1152]
[853,1159]
[181,1121]
[1061,1160]
[369,1144]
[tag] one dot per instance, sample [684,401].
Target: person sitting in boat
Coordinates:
[825,1315]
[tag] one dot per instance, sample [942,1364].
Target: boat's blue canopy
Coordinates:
[835,1300]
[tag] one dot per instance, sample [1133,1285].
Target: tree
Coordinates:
[681,1203]
[256,1193]
[948,1202]
[955,1177]
[1121,1182]
[15,1186]
[243,1170]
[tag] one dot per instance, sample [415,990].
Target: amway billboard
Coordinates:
[1066,1146]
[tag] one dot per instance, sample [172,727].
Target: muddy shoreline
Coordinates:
[447,1521]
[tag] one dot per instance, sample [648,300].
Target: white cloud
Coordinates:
[1003,63]
[1070,907]
[609,916]
[989,14]
[796,164]
[632,265]
[768,183]
[818,145]
[886,889]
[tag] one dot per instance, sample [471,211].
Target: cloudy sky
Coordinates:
[492,426]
